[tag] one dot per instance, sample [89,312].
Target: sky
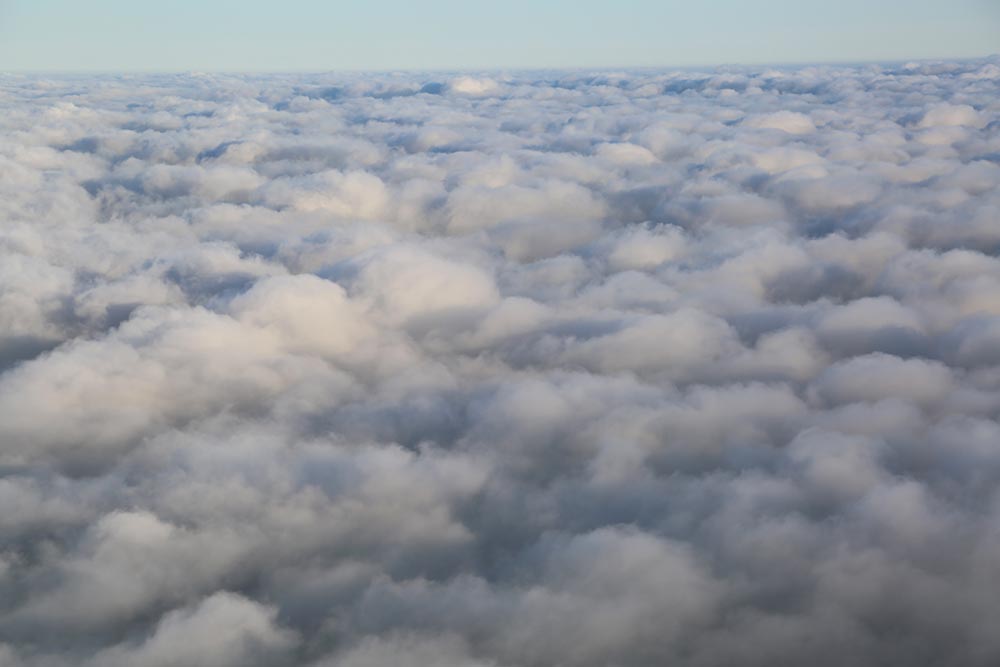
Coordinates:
[313,35]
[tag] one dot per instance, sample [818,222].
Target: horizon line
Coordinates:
[503,68]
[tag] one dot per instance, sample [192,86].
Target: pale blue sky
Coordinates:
[450,34]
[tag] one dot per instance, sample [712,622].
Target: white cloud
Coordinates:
[787,121]
[577,368]
[221,631]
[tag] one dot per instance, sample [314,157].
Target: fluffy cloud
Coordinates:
[638,368]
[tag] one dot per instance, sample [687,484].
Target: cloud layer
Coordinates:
[639,368]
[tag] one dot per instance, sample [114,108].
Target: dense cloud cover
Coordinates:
[642,368]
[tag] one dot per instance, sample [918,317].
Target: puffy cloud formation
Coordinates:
[640,368]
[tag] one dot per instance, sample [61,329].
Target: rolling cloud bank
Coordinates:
[642,368]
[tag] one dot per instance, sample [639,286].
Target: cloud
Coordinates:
[507,370]
[221,630]
[787,121]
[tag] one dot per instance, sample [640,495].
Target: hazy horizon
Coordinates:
[309,35]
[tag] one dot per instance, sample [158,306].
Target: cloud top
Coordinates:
[575,368]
